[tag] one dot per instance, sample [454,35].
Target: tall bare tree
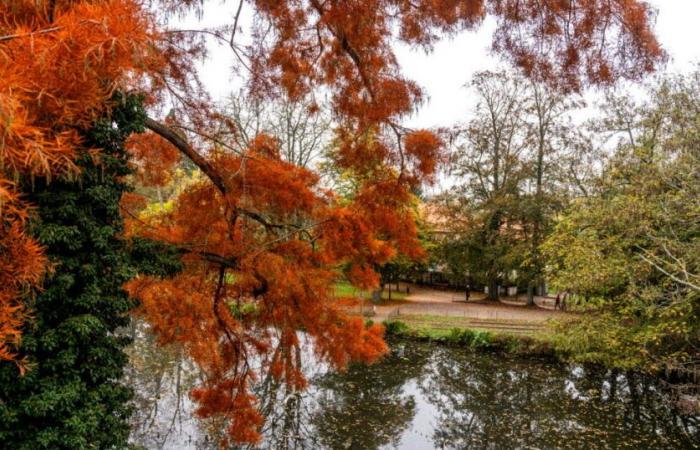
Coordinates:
[303,128]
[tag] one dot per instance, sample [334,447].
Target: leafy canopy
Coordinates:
[630,251]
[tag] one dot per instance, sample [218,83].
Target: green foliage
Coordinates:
[631,252]
[511,158]
[243,310]
[471,338]
[395,327]
[72,396]
[487,251]
[480,340]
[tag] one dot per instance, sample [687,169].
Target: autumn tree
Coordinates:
[261,240]
[61,62]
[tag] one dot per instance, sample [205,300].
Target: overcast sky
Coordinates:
[444,72]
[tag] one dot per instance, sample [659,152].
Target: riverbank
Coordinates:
[537,345]
[534,345]
[442,316]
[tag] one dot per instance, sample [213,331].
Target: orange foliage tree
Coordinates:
[262,241]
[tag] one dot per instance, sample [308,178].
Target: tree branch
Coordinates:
[181,144]
[678,280]
[10,37]
[213,257]
[205,166]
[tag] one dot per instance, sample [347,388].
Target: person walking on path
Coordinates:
[557,302]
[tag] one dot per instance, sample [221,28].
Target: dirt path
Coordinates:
[426,301]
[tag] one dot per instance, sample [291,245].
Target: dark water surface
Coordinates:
[425,396]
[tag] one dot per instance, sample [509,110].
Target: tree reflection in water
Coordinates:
[368,407]
[448,397]
[363,408]
[161,378]
[487,402]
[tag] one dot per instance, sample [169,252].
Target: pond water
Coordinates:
[424,396]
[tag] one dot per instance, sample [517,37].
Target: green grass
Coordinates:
[345,289]
[436,323]
[440,329]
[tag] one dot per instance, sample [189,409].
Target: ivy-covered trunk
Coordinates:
[72,396]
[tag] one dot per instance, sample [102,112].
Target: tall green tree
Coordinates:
[72,397]
[514,159]
[551,150]
[489,161]
[631,252]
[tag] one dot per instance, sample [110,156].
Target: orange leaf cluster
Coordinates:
[575,43]
[154,158]
[22,265]
[60,63]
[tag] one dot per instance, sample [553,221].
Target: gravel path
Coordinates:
[426,301]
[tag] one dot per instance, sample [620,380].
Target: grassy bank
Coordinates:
[524,344]
[440,323]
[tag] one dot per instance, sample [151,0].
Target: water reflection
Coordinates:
[163,412]
[486,402]
[368,407]
[422,397]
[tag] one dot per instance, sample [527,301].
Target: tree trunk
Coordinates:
[530,294]
[493,290]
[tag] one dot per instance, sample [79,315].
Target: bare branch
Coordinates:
[678,280]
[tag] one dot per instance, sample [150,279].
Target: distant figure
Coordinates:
[557,302]
[468,293]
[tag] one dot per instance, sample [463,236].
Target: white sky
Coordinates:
[444,72]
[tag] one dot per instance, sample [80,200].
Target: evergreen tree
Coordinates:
[72,396]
